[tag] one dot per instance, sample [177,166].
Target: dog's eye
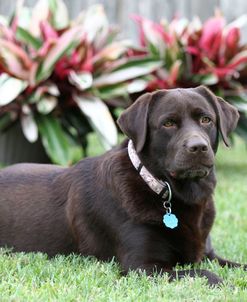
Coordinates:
[205,120]
[169,124]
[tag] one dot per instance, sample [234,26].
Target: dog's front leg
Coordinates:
[211,255]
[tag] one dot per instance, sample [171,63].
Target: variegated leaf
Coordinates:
[137,86]
[29,126]
[100,119]
[68,40]
[82,80]
[10,88]
[94,23]
[40,12]
[46,104]
[60,14]
[127,73]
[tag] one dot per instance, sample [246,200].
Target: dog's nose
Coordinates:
[197,144]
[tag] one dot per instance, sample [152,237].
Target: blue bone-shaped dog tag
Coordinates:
[170,220]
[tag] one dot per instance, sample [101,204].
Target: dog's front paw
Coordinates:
[213,279]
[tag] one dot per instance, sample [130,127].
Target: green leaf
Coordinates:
[39,13]
[135,62]
[239,101]
[24,36]
[99,118]
[6,120]
[23,15]
[60,15]
[154,37]
[112,91]
[10,88]
[240,105]
[55,140]
[208,79]
[110,36]
[94,23]
[82,80]
[153,50]
[76,120]
[121,89]
[46,104]
[137,85]
[29,127]
[112,51]
[128,73]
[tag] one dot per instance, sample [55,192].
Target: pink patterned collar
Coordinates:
[161,188]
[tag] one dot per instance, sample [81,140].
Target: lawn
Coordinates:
[34,277]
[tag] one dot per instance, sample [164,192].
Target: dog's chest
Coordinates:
[189,237]
[191,246]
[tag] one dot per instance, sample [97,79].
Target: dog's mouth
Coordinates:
[191,173]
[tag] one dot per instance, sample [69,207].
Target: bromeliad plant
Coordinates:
[194,53]
[59,78]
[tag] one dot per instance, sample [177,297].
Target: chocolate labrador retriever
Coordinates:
[147,202]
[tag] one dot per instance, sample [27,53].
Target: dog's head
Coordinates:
[175,132]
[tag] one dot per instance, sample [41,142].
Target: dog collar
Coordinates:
[162,188]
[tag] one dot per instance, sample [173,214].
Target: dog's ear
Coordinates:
[133,121]
[227,115]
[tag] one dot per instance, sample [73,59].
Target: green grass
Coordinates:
[34,277]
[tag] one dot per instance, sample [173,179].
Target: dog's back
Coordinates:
[32,215]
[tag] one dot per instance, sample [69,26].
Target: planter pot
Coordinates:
[14,148]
